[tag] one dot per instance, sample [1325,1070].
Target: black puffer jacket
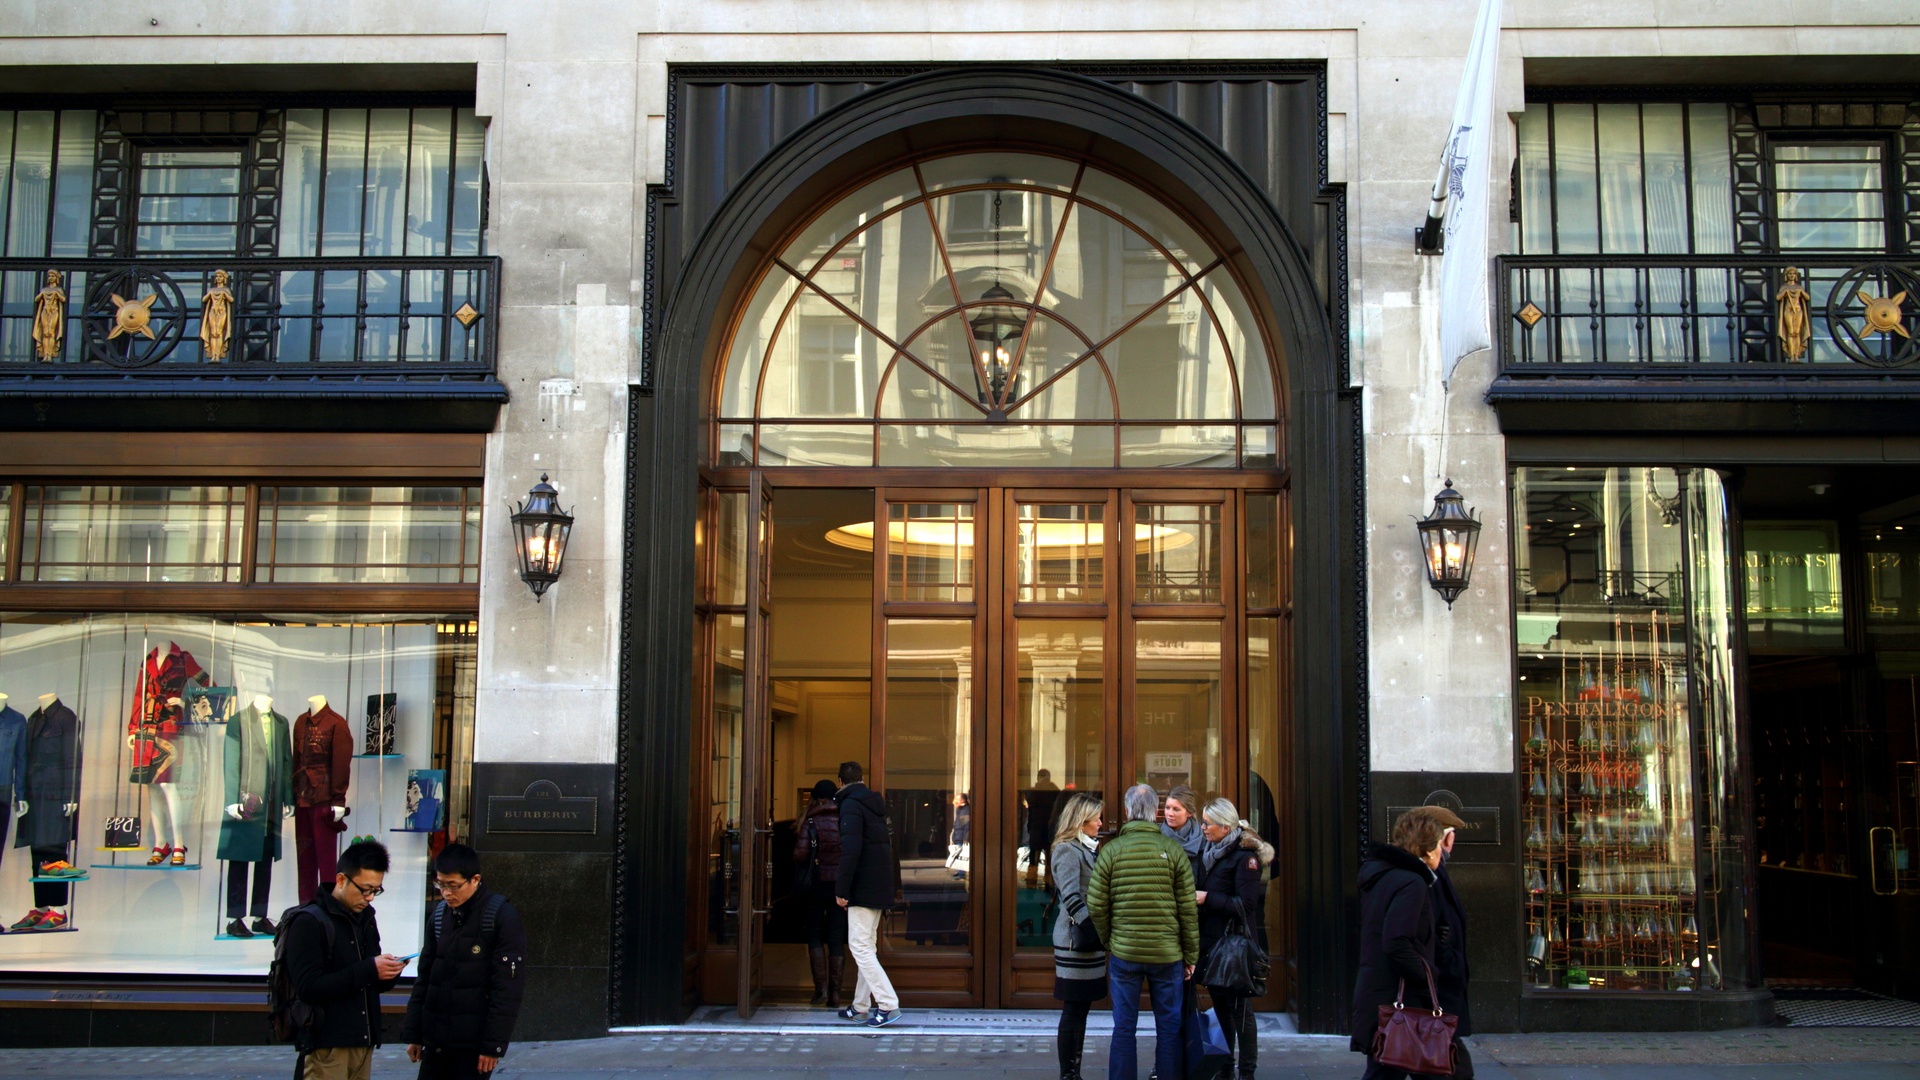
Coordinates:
[1396,934]
[468,993]
[343,985]
[866,852]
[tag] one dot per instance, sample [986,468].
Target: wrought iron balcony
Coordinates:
[1796,317]
[388,335]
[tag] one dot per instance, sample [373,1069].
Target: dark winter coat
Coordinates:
[468,993]
[819,840]
[1396,935]
[1242,875]
[343,985]
[1450,950]
[866,852]
[258,763]
[13,750]
[51,778]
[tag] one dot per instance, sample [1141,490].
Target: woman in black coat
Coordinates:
[1234,866]
[1398,926]
[1450,949]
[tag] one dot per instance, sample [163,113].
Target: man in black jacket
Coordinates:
[864,886]
[343,983]
[473,971]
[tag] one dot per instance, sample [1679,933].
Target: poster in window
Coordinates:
[426,800]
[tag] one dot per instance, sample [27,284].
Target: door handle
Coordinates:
[1875,849]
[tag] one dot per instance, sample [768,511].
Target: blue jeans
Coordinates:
[1123,983]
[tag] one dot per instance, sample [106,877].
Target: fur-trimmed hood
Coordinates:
[1250,841]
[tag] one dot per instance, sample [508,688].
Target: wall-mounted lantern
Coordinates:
[540,531]
[1447,537]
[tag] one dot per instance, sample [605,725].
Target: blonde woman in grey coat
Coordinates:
[1079,975]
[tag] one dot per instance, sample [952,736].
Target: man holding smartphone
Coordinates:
[342,972]
[473,973]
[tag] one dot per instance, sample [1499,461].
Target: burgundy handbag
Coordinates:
[1415,1040]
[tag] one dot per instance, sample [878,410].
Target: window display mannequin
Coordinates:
[46,800]
[322,768]
[13,761]
[259,794]
[153,730]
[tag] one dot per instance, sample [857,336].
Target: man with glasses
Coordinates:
[341,973]
[473,971]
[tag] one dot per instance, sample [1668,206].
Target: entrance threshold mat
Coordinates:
[1843,1007]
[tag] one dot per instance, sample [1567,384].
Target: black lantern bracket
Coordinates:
[540,532]
[1448,536]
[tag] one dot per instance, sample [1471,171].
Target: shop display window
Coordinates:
[1633,838]
[370,534]
[154,534]
[181,773]
[1793,585]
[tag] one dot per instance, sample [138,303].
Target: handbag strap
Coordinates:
[1433,992]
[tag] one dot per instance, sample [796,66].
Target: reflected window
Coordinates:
[367,534]
[1061,551]
[84,532]
[1177,560]
[1793,584]
[998,309]
[189,202]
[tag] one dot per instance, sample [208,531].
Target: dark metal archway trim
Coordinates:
[913,115]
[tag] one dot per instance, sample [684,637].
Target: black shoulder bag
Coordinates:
[1237,962]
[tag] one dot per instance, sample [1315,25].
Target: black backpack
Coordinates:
[292,1019]
[489,917]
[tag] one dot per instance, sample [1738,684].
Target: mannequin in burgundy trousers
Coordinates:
[322,768]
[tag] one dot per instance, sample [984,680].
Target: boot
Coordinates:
[837,979]
[817,960]
[1070,1067]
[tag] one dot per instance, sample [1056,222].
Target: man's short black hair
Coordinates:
[457,860]
[365,855]
[849,771]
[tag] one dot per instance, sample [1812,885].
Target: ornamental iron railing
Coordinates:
[252,317]
[1631,314]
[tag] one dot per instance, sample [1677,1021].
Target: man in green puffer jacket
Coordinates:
[1141,896]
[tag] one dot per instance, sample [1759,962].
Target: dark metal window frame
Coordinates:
[1892,192]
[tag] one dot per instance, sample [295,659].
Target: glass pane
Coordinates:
[902,279]
[300,183]
[150,534]
[751,341]
[1536,182]
[73,194]
[1178,446]
[846,217]
[998,237]
[1829,197]
[1575,184]
[965,169]
[1793,584]
[930,551]
[430,156]
[345,182]
[369,534]
[1151,219]
[386,210]
[946,348]
[1263,551]
[30,194]
[468,191]
[995,445]
[1664,146]
[928,779]
[8,122]
[1177,554]
[1177,705]
[1105,273]
[1235,323]
[1711,174]
[1171,366]
[1607,824]
[723,779]
[1060,731]
[823,365]
[1082,392]
[1060,552]
[1621,201]
[816,444]
[730,549]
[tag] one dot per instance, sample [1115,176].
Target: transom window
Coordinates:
[998,310]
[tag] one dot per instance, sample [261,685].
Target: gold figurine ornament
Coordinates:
[216,319]
[1796,327]
[50,318]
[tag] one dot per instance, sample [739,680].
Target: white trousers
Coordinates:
[863,934]
[169,828]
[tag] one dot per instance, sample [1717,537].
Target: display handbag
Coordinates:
[1237,962]
[1416,1040]
[122,834]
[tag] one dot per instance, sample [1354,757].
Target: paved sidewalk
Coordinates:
[897,1054]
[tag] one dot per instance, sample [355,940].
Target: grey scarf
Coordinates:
[1190,837]
[1216,852]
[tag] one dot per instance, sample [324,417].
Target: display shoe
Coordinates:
[60,869]
[238,928]
[52,920]
[159,856]
[179,857]
[264,925]
[33,919]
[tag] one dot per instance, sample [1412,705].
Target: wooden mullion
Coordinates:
[16,529]
[250,534]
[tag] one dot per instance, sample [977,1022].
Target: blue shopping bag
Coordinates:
[1207,1052]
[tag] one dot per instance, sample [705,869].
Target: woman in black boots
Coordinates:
[1233,885]
[818,845]
[1079,959]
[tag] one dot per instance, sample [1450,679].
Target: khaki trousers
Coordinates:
[339,1063]
[863,933]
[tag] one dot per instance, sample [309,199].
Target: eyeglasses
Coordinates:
[366,891]
[451,886]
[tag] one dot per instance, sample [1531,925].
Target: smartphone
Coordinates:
[409,956]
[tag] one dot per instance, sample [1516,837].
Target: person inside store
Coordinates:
[1234,865]
[1398,926]
[817,849]
[472,975]
[1079,959]
[343,973]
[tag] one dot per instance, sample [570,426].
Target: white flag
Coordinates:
[1463,172]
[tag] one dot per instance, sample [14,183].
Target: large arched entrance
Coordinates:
[993,428]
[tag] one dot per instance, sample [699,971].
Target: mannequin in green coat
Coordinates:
[259,796]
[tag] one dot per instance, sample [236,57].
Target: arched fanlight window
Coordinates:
[998,310]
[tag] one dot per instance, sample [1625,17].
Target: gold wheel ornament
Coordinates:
[1866,315]
[1884,314]
[135,315]
[132,316]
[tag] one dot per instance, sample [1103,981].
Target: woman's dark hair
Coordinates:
[365,855]
[458,859]
[824,790]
